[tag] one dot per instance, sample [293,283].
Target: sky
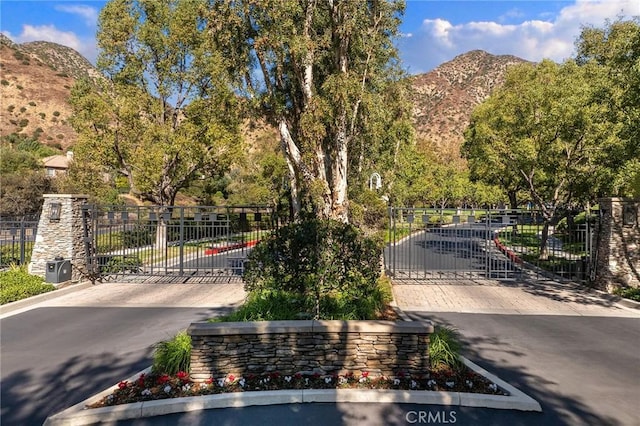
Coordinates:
[433,31]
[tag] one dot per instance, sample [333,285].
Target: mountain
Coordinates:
[35,84]
[36,80]
[444,98]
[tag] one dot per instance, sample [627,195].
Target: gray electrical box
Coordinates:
[58,271]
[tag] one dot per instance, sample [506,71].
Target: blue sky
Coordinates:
[434,31]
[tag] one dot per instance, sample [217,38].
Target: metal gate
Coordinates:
[203,241]
[489,244]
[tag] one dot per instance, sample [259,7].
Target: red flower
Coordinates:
[123,384]
[163,379]
[182,376]
[209,380]
[274,375]
[141,380]
[231,377]
[365,374]
[297,376]
[316,375]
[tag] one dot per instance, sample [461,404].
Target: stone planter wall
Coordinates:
[618,255]
[324,347]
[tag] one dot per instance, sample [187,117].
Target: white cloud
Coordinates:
[438,40]
[85,46]
[90,14]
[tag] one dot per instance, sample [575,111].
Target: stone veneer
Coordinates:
[618,255]
[62,237]
[324,347]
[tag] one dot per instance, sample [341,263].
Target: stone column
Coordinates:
[618,253]
[60,236]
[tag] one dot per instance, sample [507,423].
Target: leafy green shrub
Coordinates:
[23,123]
[10,108]
[173,355]
[17,284]
[444,348]
[19,87]
[316,257]
[42,115]
[32,103]
[56,113]
[23,109]
[4,82]
[632,293]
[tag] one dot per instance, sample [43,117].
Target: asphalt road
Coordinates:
[55,357]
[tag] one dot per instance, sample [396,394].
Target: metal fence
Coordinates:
[489,244]
[17,237]
[173,241]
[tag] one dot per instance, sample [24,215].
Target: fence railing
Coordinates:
[16,241]
[202,240]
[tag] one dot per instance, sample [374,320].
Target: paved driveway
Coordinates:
[60,352]
[575,352]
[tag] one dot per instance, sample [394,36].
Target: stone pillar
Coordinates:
[618,252]
[60,235]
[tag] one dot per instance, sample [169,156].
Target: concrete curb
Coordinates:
[34,300]
[79,415]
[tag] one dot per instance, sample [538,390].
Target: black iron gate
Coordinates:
[202,241]
[489,244]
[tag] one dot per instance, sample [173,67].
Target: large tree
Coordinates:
[313,68]
[615,49]
[167,114]
[543,129]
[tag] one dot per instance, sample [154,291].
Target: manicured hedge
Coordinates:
[17,284]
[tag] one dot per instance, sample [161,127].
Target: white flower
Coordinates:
[109,398]
[241,382]
[362,379]
[343,380]
[431,383]
[306,381]
[413,384]
[469,383]
[186,388]
[287,379]
[450,383]
[493,387]
[167,389]
[221,382]
[327,380]
[396,382]
[146,392]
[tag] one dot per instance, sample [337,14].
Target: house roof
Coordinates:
[57,162]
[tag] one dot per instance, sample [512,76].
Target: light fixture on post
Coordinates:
[54,211]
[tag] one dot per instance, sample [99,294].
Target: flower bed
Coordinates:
[162,386]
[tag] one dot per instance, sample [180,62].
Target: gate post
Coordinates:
[618,248]
[60,234]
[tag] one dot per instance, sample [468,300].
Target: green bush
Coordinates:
[314,258]
[444,348]
[17,284]
[173,355]
[632,293]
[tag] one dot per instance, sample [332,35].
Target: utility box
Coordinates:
[58,271]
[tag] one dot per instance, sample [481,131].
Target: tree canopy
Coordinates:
[321,72]
[167,114]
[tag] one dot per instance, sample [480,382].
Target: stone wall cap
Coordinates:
[327,326]
[249,327]
[65,196]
